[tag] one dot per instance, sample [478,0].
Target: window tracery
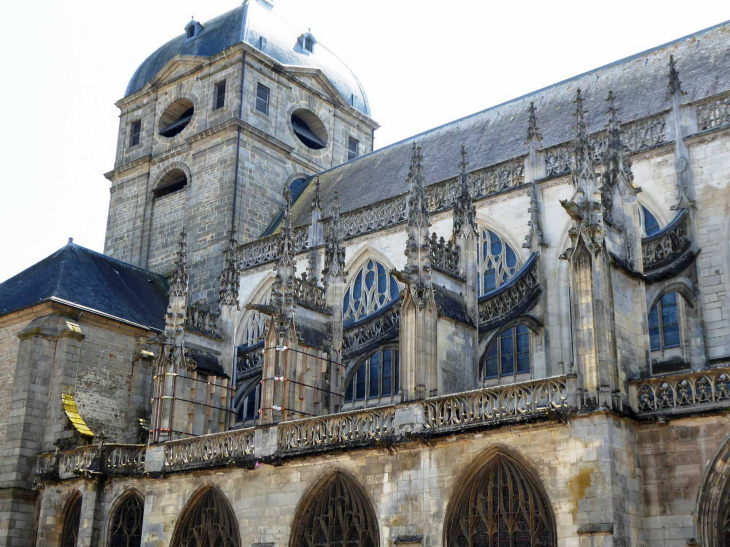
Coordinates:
[501,505]
[508,354]
[208,522]
[497,261]
[378,377]
[126,523]
[371,289]
[71,522]
[249,407]
[257,324]
[338,515]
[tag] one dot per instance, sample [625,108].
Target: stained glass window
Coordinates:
[509,354]
[375,378]
[664,323]
[208,522]
[497,261]
[71,522]
[651,224]
[126,524]
[371,288]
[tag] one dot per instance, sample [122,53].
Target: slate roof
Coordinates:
[248,23]
[498,133]
[93,281]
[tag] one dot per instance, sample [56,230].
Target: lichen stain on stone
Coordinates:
[580,483]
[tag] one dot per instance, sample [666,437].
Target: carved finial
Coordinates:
[535,234]
[583,166]
[316,200]
[616,163]
[286,255]
[418,265]
[464,212]
[179,279]
[334,257]
[675,84]
[230,276]
[533,132]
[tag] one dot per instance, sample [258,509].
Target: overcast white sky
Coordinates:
[422,63]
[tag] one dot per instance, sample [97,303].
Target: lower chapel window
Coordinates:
[509,354]
[126,524]
[71,522]
[376,377]
[500,506]
[497,262]
[207,522]
[664,323]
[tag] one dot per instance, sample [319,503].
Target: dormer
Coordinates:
[192,29]
[307,42]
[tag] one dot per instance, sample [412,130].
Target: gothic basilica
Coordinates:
[510,330]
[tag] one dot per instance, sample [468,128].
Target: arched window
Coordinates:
[126,523]
[71,521]
[207,522]
[371,289]
[508,354]
[500,504]
[725,525]
[649,223]
[249,408]
[497,261]
[337,515]
[664,323]
[378,377]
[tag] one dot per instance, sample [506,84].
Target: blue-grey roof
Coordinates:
[93,281]
[498,133]
[248,23]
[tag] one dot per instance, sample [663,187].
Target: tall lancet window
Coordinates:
[497,261]
[371,289]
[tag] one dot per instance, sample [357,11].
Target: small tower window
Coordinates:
[135,130]
[220,95]
[352,149]
[262,99]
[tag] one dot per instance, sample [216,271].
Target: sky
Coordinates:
[422,63]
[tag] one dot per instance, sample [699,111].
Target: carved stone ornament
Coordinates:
[465,224]
[230,276]
[334,254]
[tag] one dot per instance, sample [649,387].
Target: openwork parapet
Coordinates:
[206,450]
[499,403]
[686,391]
[374,328]
[202,320]
[664,247]
[85,458]
[444,255]
[337,430]
[713,114]
[125,459]
[308,292]
[249,358]
[512,298]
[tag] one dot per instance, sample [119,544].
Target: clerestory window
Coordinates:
[497,262]
[371,289]
[377,377]
[664,323]
[509,354]
[649,222]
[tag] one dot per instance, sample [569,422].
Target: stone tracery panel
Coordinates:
[371,288]
[497,261]
[71,522]
[208,521]
[500,504]
[337,515]
[126,522]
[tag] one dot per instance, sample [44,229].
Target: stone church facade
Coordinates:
[508,330]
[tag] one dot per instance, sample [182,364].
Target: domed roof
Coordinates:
[249,23]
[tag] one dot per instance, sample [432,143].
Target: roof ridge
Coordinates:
[116,260]
[521,97]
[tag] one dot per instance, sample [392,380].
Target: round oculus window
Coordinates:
[176,117]
[309,129]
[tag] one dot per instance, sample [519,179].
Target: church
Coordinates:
[510,330]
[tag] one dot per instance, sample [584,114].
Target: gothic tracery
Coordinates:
[208,522]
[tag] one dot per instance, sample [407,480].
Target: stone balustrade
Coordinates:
[375,328]
[125,459]
[512,298]
[78,460]
[360,426]
[249,358]
[686,392]
[666,246]
[499,404]
[713,114]
[207,450]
